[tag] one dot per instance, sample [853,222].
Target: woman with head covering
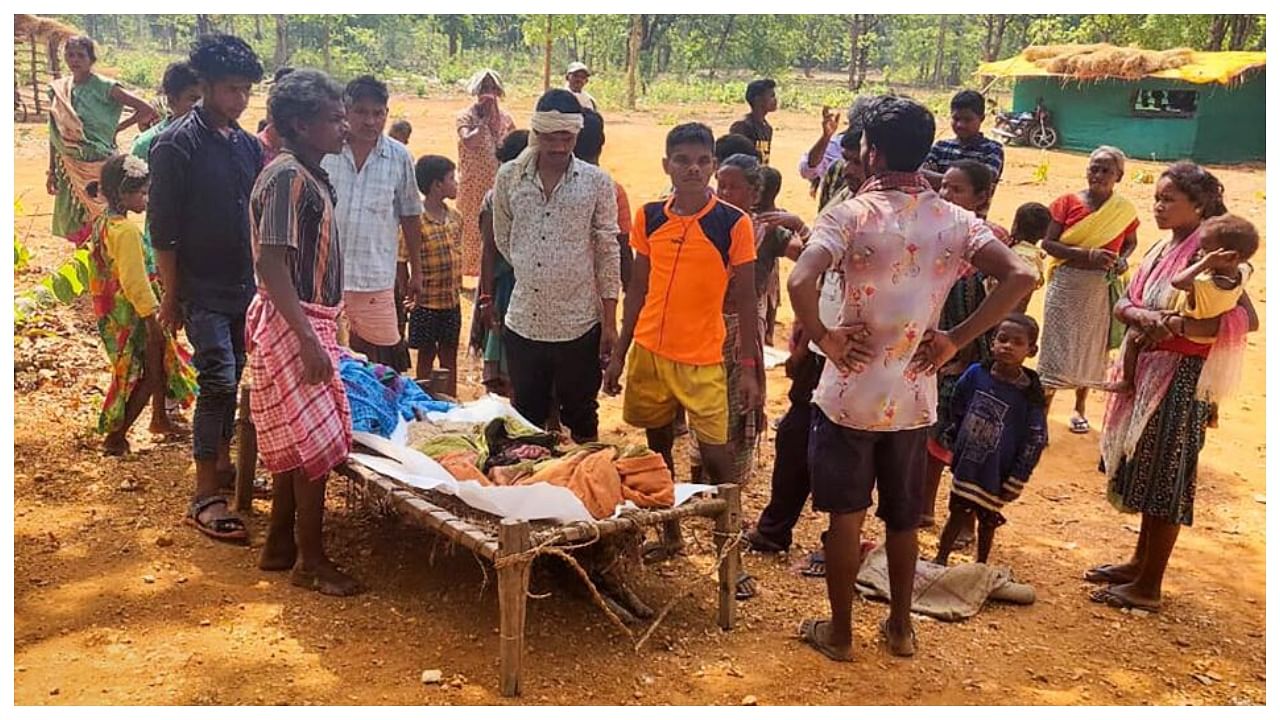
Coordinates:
[481,128]
[1152,437]
[84,117]
[1092,233]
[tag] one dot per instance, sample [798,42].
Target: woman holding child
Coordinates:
[1092,233]
[1152,436]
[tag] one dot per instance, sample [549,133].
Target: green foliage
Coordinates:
[899,50]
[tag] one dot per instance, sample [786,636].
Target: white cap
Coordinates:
[577,67]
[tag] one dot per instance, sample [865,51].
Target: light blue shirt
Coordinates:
[370,204]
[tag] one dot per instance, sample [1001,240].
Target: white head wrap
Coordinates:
[473,85]
[546,122]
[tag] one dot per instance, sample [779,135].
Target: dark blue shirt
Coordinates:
[199,207]
[998,432]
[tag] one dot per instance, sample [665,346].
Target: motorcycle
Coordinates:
[1029,128]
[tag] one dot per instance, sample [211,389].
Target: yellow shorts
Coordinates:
[657,386]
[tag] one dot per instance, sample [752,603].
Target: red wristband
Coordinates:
[748,362]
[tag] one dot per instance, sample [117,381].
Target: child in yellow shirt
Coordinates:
[147,365]
[1210,286]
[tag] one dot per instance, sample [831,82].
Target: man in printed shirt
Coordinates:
[377,200]
[555,219]
[901,247]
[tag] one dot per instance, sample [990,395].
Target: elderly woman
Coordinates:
[1152,438]
[481,128]
[84,117]
[1089,241]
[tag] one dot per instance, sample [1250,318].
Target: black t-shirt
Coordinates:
[760,133]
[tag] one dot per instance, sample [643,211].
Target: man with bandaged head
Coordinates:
[555,219]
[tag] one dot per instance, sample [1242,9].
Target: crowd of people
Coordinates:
[279,248]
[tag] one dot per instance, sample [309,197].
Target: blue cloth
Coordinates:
[999,431]
[380,397]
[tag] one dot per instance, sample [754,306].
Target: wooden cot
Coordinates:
[512,545]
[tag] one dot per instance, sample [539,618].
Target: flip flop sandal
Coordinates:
[809,636]
[817,567]
[1110,598]
[759,543]
[111,450]
[884,633]
[1079,425]
[745,587]
[228,528]
[1104,574]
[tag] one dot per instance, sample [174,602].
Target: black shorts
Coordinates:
[440,328]
[986,516]
[846,464]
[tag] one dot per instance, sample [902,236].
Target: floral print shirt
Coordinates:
[901,247]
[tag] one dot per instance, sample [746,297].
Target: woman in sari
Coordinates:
[481,128]
[84,117]
[1089,241]
[1152,438]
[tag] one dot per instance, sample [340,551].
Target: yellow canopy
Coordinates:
[1204,67]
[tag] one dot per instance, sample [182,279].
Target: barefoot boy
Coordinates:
[298,402]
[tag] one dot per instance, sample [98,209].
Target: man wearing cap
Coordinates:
[763,99]
[576,77]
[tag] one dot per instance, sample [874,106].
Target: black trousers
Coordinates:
[566,373]
[789,486]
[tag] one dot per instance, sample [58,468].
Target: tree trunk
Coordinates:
[998,45]
[257,28]
[718,58]
[546,59]
[324,46]
[855,34]
[940,57]
[633,58]
[1242,26]
[282,40]
[1217,33]
[203,25]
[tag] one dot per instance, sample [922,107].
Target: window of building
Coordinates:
[1166,103]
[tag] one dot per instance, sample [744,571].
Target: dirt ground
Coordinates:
[117,603]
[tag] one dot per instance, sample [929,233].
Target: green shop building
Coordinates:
[1210,110]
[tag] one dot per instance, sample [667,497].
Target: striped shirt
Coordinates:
[371,202]
[945,153]
[442,260]
[292,206]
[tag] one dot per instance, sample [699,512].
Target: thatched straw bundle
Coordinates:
[1102,60]
[24,26]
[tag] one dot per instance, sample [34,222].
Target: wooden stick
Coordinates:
[246,454]
[728,526]
[656,622]
[513,586]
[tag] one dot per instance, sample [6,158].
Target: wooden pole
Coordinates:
[35,74]
[728,549]
[246,454]
[513,590]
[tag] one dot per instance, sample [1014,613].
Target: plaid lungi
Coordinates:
[300,426]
